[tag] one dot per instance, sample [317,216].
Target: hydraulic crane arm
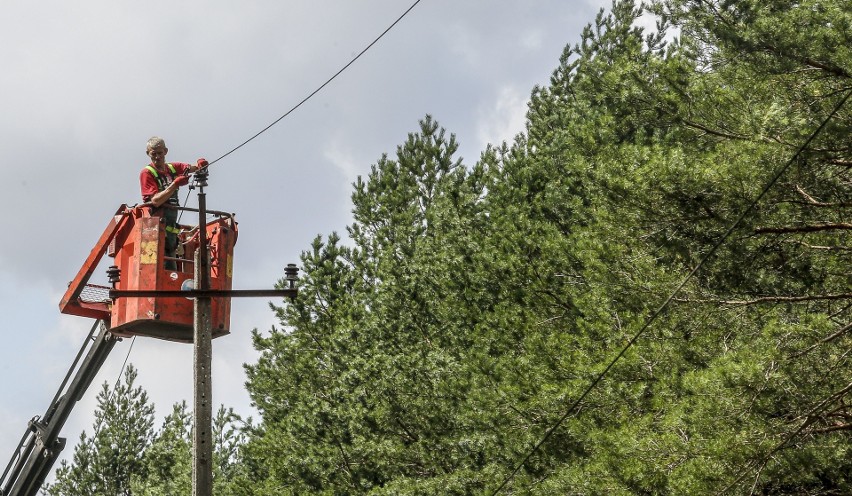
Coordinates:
[41,445]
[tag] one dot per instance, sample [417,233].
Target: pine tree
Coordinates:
[168,458]
[476,304]
[104,463]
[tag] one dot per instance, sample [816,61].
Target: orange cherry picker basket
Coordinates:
[135,239]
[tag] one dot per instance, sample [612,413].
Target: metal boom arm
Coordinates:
[41,445]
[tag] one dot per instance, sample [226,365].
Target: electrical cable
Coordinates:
[775,177]
[109,399]
[276,121]
[323,85]
[314,92]
[115,386]
[98,426]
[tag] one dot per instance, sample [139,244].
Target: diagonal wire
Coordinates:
[781,170]
[114,387]
[323,85]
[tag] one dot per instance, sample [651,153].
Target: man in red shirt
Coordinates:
[160,182]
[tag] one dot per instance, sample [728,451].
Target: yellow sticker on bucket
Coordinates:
[148,252]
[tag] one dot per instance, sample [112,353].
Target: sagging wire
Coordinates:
[100,423]
[114,387]
[276,121]
[311,94]
[323,85]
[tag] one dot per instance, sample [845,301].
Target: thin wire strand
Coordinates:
[114,387]
[276,121]
[323,85]
[311,95]
[97,431]
[781,170]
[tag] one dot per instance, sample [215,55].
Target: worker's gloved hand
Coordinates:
[202,162]
[181,180]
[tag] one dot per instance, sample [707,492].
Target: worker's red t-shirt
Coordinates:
[149,183]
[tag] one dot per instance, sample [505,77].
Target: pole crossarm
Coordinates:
[202,293]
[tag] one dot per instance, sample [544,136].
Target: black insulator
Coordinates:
[114,274]
[201,176]
[291,274]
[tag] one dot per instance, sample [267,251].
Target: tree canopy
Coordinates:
[473,306]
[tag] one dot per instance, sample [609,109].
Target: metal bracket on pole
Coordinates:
[202,293]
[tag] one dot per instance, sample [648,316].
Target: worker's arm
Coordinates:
[163,196]
[149,184]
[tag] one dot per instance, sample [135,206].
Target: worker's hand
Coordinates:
[202,162]
[181,180]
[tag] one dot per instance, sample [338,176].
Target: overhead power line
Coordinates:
[114,386]
[780,172]
[311,94]
[323,85]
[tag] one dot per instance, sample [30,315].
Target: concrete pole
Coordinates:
[202,444]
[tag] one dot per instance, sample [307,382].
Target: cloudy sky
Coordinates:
[84,84]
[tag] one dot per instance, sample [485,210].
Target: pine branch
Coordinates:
[769,299]
[810,200]
[833,428]
[819,247]
[828,226]
[787,299]
[840,162]
[831,69]
[843,330]
[721,134]
[831,337]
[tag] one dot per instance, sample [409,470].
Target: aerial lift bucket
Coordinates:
[135,239]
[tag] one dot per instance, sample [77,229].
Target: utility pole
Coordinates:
[202,445]
[202,432]
[40,445]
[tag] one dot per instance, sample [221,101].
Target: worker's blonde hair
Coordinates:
[155,141]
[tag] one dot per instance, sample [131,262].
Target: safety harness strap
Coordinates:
[156,175]
[161,185]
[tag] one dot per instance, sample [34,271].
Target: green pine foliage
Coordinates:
[486,326]
[104,463]
[125,456]
[474,305]
[168,458]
